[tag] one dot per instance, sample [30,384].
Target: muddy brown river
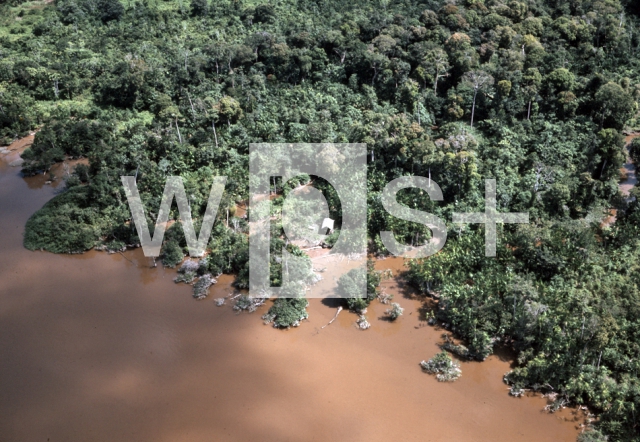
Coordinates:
[100,347]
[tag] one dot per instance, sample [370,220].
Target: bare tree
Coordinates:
[479,80]
[437,64]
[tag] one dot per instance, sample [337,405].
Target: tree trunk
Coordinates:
[473,107]
[215,135]
[603,166]
[334,318]
[178,129]
[191,103]
[529,111]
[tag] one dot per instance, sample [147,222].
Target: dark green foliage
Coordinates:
[73,11]
[64,138]
[592,436]
[265,13]
[562,295]
[352,283]
[152,92]
[615,105]
[331,239]
[64,224]
[229,251]
[110,10]
[16,116]
[172,254]
[82,172]
[122,84]
[634,151]
[199,7]
[287,312]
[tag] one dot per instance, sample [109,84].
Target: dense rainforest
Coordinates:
[533,93]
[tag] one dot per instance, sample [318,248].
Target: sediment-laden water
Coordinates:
[100,347]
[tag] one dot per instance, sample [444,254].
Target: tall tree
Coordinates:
[479,81]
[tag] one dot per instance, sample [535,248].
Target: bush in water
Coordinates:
[445,368]
[395,311]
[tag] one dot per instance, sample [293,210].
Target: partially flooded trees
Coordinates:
[172,254]
[201,287]
[350,286]
[394,312]
[441,365]
[287,312]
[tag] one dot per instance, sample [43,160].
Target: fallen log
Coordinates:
[334,318]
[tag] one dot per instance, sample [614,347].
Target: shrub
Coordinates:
[199,7]
[110,10]
[201,287]
[350,286]
[395,311]
[186,277]
[592,436]
[189,266]
[331,239]
[172,253]
[229,251]
[287,312]
[445,368]
[82,172]
[64,224]
[363,323]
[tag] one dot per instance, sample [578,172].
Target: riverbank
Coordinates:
[105,347]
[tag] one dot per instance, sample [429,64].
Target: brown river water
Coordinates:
[100,347]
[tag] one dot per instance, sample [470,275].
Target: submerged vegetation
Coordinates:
[394,312]
[445,368]
[351,283]
[533,93]
[287,312]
